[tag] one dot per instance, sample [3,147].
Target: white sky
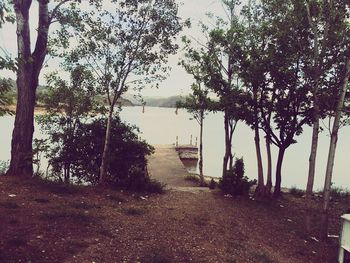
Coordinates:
[179,81]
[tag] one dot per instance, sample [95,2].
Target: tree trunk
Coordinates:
[104,162]
[29,67]
[201,175]
[269,166]
[277,191]
[311,174]
[332,148]
[227,144]
[261,185]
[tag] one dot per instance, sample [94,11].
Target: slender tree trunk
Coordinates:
[332,148]
[201,175]
[269,166]
[311,174]
[261,185]
[227,144]
[104,162]
[29,67]
[277,191]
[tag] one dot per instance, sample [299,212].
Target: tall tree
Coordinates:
[343,88]
[29,65]
[274,68]
[223,54]
[197,104]
[252,72]
[126,47]
[68,104]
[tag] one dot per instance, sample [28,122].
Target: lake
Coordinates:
[162,125]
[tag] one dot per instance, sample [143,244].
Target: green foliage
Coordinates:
[296,192]
[81,154]
[4,165]
[212,184]
[133,39]
[5,96]
[193,178]
[154,187]
[340,193]
[234,182]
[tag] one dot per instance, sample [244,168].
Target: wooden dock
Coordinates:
[165,166]
[187,152]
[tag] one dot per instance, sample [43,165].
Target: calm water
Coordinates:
[162,125]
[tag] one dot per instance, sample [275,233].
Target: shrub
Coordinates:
[80,155]
[234,182]
[154,187]
[296,192]
[339,192]
[4,165]
[193,178]
[212,184]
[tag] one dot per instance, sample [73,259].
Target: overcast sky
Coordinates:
[179,81]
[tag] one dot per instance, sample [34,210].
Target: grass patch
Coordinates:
[57,187]
[117,198]
[133,211]
[16,242]
[73,216]
[42,200]
[193,178]
[157,255]
[76,246]
[201,220]
[263,257]
[83,206]
[296,192]
[9,205]
[155,187]
[340,192]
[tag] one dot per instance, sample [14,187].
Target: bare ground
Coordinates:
[45,222]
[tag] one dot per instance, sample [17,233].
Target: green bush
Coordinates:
[4,165]
[212,184]
[234,182]
[296,192]
[79,154]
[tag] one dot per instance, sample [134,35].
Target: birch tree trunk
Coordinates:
[227,144]
[104,161]
[332,148]
[29,67]
[201,175]
[311,173]
[261,185]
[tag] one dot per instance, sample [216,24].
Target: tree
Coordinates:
[223,50]
[345,70]
[5,100]
[5,61]
[29,65]
[326,21]
[273,67]
[126,48]
[197,104]
[68,104]
[252,72]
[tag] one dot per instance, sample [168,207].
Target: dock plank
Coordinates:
[165,166]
